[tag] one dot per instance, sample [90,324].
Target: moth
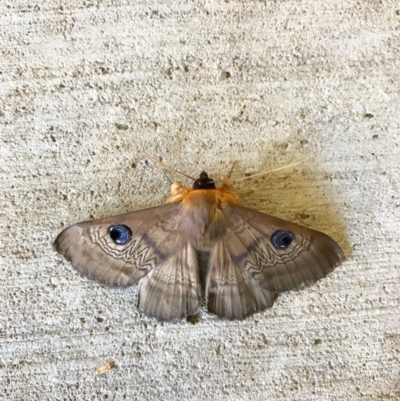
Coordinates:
[200,245]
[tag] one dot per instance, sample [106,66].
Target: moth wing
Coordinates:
[172,289]
[92,251]
[231,291]
[255,269]
[310,256]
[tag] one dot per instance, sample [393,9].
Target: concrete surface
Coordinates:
[201,85]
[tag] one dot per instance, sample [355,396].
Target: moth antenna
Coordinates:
[162,164]
[268,171]
[233,166]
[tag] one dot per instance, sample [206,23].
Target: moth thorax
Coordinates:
[204,182]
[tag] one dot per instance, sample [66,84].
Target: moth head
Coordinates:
[203,182]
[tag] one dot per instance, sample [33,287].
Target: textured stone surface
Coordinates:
[202,86]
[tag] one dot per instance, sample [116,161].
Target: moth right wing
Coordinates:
[246,271]
[232,293]
[279,254]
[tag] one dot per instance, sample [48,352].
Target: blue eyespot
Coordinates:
[120,234]
[282,239]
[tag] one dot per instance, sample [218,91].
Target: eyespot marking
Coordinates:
[120,234]
[281,239]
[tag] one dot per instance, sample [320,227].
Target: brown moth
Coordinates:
[201,243]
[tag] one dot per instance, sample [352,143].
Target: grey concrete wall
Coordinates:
[202,85]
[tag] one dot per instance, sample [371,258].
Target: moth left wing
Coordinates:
[144,245]
[122,249]
[258,256]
